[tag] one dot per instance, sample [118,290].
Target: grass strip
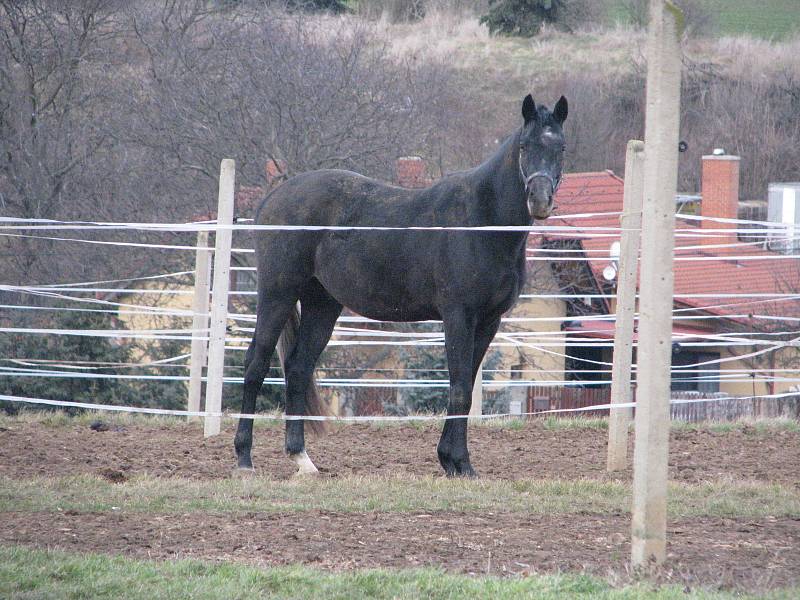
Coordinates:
[26,573]
[58,418]
[728,498]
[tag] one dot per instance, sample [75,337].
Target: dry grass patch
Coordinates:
[387,494]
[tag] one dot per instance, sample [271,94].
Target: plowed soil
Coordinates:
[731,553]
[749,554]
[28,449]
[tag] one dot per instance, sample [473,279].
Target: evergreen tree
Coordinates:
[526,17]
[74,349]
[334,6]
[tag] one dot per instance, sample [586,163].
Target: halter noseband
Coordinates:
[528,179]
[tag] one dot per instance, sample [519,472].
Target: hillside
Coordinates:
[741,93]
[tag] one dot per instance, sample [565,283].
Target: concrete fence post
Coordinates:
[631,223]
[219,296]
[199,356]
[476,408]
[649,522]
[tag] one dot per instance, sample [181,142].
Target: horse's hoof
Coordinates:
[306,475]
[244,472]
[467,472]
[462,474]
[304,465]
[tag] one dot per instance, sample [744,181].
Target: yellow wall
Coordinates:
[540,281]
[785,358]
[144,321]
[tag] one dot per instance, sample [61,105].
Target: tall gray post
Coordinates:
[476,408]
[202,285]
[219,296]
[655,306]
[631,223]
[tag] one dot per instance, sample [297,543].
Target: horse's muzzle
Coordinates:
[540,188]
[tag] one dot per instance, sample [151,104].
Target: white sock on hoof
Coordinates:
[304,464]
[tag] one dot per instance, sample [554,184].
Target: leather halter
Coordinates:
[528,179]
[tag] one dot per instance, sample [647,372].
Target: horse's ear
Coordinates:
[529,109]
[561,110]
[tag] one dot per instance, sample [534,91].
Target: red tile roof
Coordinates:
[715,273]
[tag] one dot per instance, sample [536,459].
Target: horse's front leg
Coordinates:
[459,332]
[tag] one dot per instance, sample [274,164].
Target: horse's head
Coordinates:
[541,154]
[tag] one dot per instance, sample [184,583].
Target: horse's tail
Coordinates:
[315,404]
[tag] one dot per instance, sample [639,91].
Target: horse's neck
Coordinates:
[501,190]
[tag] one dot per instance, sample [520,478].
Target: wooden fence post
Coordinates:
[202,284]
[631,223]
[219,296]
[662,123]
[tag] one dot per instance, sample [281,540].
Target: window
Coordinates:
[703,378]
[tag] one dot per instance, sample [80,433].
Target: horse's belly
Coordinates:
[391,312]
[376,284]
[377,302]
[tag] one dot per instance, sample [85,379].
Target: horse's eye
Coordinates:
[563,148]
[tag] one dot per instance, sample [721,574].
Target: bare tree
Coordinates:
[50,106]
[279,86]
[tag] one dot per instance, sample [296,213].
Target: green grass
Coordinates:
[83,418]
[767,19]
[58,418]
[748,426]
[387,494]
[29,574]
[560,423]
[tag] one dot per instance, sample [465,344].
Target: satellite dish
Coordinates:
[610,273]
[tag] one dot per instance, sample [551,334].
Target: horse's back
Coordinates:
[335,197]
[345,198]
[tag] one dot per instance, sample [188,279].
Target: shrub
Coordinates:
[394,11]
[526,17]
[334,6]
[76,349]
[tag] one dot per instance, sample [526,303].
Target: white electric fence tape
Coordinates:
[355,419]
[52,290]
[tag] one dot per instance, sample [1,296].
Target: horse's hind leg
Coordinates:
[272,314]
[459,333]
[318,314]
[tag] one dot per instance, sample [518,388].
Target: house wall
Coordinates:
[740,388]
[539,280]
[144,321]
[785,358]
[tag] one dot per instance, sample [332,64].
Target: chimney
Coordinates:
[410,172]
[720,197]
[275,171]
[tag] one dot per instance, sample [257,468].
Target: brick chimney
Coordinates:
[276,171]
[410,172]
[720,191]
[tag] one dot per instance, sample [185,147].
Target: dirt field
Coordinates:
[737,553]
[28,449]
[732,553]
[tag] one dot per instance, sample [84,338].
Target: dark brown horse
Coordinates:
[467,279]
